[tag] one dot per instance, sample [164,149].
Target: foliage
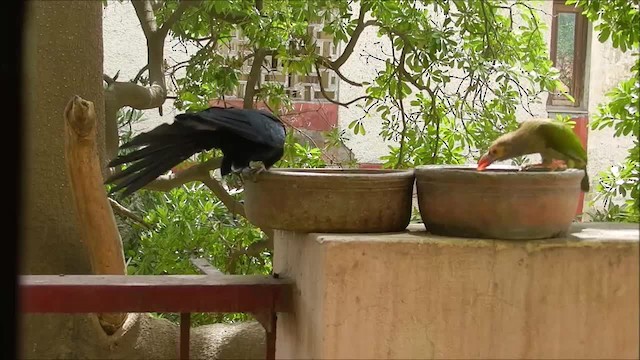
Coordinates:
[440,48]
[191,222]
[620,21]
[615,19]
[278,29]
[493,49]
[622,180]
[300,155]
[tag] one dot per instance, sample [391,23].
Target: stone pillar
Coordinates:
[413,295]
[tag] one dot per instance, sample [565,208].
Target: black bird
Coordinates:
[243,135]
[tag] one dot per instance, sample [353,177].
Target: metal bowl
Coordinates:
[330,200]
[498,203]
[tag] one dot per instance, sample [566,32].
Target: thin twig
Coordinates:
[108,79]
[139,74]
[326,96]
[402,112]
[234,206]
[124,212]
[253,250]
[486,27]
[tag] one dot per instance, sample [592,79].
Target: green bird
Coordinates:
[558,146]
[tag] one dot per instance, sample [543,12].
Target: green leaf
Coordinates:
[604,35]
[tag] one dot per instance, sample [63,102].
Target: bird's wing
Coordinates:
[561,139]
[254,125]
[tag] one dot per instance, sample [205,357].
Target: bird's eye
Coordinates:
[493,151]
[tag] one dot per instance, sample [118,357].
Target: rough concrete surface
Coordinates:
[413,295]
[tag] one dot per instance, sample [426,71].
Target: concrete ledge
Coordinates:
[413,295]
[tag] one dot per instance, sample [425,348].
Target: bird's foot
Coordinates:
[558,165]
[534,167]
[251,173]
[554,165]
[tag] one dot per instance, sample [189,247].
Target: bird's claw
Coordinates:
[558,165]
[251,173]
[554,165]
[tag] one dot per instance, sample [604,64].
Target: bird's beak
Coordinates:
[485,161]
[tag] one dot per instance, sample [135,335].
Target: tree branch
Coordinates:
[119,94]
[234,206]
[200,172]
[175,16]
[145,14]
[193,173]
[137,96]
[252,250]
[348,50]
[108,79]
[326,96]
[155,38]
[96,225]
[329,65]
[123,211]
[410,78]
[254,76]
[345,79]
[486,28]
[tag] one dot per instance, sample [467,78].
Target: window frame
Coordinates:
[577,86]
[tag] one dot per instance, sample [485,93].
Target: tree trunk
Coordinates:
[63,53]
[63,57]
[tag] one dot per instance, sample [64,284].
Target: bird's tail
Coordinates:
[584,185]
[159,150]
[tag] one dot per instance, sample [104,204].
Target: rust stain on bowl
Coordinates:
[331,200]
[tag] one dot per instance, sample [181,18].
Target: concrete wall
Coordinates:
[417,296]
[606,67]
[124,46]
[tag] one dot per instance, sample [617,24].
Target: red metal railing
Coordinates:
[263,296]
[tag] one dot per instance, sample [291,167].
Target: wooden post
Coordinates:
[96,222]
